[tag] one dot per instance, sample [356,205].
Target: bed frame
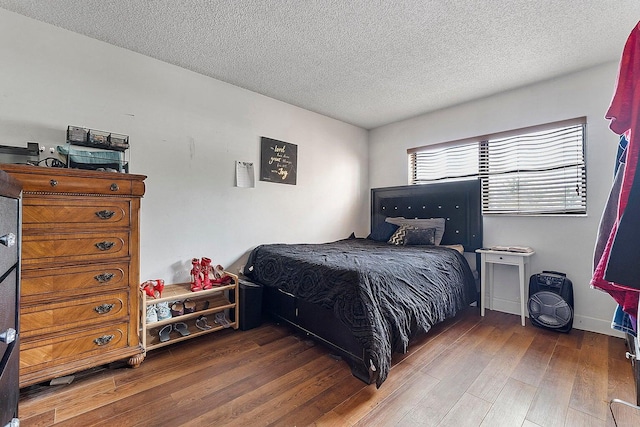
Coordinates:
[458,202]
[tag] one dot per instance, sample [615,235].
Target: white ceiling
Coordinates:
[368,63]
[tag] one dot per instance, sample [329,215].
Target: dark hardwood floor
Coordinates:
[470,371]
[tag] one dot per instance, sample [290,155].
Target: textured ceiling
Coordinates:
[368,63]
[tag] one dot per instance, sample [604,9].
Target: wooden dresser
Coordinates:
[80,270]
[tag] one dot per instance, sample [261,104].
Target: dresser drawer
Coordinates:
[58,248]
[75,213]
[54,283]
[8,289]
[8,233]
[75,181]
[56,183]
[505,258]
[60,316]
[37,354]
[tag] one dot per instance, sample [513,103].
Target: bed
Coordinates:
[367,298]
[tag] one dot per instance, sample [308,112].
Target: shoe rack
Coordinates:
[219,299]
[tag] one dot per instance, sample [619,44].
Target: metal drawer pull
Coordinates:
[103,309]
[114,187]
[8,336]
[8,240]
[105,214]
[103,340]
[104,277]
[104,246]
[53,182]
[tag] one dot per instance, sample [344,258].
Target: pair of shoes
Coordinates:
[153,288]
[164,312]
[203,275]
[178,308]
[201,323]
[179,327]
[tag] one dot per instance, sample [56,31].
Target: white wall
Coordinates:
[186,132]
[562,243]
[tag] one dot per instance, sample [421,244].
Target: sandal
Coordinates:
[220,319]
[205,270]
[218,272]
[196,281]
[201,323]
[189,306]
[158,287]
[182,328]
[164,333]
[177,309]
[147,287]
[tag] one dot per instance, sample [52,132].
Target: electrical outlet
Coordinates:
[47,151]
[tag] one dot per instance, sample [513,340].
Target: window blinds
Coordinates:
[444,163]
[537,170]
[536,173]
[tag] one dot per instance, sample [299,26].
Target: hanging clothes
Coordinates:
[624,115]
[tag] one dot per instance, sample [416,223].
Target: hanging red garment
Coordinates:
[624,113]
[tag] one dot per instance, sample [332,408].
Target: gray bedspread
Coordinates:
[385,294]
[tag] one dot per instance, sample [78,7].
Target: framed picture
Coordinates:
[278,161]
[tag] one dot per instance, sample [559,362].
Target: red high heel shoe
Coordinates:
[205,269]
[196,281]
[153,288]
[147,287]
[158,287]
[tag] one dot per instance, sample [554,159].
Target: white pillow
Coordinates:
[437,223]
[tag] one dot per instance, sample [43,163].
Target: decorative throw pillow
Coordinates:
[383,232]
[399,236]
[420,236]
[437,223]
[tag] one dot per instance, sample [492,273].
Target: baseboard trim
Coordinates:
[583,323]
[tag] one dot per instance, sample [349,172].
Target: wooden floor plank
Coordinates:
[492,380]
[511,405]
[590,388]
[469,411]
[551,402]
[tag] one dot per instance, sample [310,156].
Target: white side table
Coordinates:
[488,258]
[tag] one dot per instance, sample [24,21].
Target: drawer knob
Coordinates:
[8,336]
[8,240]
[104,246]
[114,187]
[105,214]
[103,309]
[103,340]
[53,182]
[104,277]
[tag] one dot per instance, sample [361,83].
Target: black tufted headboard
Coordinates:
[458,202]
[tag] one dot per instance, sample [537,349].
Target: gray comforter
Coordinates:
[385,294]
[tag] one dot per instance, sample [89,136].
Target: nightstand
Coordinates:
[488,258]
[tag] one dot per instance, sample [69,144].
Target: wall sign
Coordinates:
[278,161]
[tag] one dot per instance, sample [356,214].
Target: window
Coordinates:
[532,171]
